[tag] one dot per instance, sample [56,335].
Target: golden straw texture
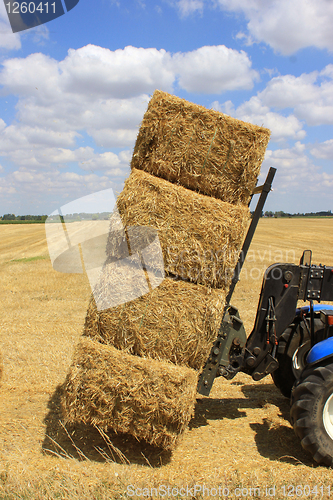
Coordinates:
[177,321]
[149,399]
[200,236]
[203,150]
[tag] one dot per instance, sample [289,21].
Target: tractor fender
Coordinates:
[321,351]
[316,308]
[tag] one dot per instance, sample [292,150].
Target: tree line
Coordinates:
[67,217]
[306,214]
[37,218]
[105,215]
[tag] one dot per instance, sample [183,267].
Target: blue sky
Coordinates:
[73,92]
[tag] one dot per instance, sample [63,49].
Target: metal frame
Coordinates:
[231,322]
[263,190]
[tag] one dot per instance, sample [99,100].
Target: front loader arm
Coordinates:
[232,351]
[283,285]
[276,311]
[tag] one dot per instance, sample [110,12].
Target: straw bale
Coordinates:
[201,149]
[123,281]
[177,321]
[151,400]
[200,236]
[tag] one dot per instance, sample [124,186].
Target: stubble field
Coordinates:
[239,442]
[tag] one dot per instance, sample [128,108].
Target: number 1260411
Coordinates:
[31,7]
[305,491]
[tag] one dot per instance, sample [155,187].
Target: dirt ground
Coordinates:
[240,443]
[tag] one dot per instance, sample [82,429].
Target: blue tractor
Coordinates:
[312,393]
[292,344]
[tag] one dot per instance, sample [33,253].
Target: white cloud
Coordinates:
[253,111]
[58,105]
[101,93]
[8,40]
[40,34]
[323,150]
[44,158]
[307,98]
[25,136]
[34,191]
[121,73]
[295,170]
[108,138]
[102,161]
[36,76]
[285,25]
[310,95]
[96,72]
[187,7]
[288,91]
[34,186]
[214,69]
[51,115]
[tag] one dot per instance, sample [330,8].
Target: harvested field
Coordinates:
[203,150]
[176,322]
[199,235]
[149,399]
[239,437]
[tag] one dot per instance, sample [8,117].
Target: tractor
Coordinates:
[292,344]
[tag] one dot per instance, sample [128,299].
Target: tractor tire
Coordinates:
[283,377]
[312,412]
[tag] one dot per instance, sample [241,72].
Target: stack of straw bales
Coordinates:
[193,171]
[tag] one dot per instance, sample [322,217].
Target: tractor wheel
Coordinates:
[312,412]
[283,377]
